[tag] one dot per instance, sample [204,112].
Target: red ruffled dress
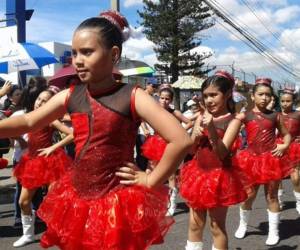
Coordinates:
[88,208]
[257,158]
[207,182]
[34,171]
[292,123]
[154,146]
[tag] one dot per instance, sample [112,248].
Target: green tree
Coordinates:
[174,26]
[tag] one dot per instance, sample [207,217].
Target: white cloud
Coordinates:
[253,63]
[129,3]
[273,3]
[287,14]
[290,38]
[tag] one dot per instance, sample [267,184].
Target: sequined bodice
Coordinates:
[104,140]
[260,129]
[292,123]
[206,156]
[39,139]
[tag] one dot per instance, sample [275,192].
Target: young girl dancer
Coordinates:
[154,146]
[210,182]
[291,121]
[43,164]
[264,159]
[91,207]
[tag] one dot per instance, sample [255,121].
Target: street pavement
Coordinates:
[176,238]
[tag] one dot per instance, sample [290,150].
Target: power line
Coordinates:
[249,45]
[258,18]
[262,48]
[258,5]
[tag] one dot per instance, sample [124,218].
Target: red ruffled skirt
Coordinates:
[126,218]
[293,152]
[154,147]
[3,163]
[205,188]
[34,172]
[264,167]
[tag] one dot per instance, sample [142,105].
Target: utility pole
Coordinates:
[115,5]
[16,14]
[232,69]
[254,77]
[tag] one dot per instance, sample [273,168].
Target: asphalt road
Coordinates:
[176,238]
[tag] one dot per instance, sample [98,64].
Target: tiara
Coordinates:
[119,21]
[263,80]
[225,74]
[288,91]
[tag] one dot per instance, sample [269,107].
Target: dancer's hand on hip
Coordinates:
[131,175]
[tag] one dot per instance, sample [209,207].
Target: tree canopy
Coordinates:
[175,26]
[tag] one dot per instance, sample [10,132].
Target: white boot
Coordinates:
[297,196]
[280,194]
[28,231]
[190,245]
[172,203]
[273,235]
[244,219]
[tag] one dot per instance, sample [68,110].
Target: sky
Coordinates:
[55,20]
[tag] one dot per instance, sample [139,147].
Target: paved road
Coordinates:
[176,238]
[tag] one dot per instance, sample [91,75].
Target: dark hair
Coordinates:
[168,90]
[50,92]
[8,103]
[294,95]
[109,34]
[257,85]
[35,86]
[224,85]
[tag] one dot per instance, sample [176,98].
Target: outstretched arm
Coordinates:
[183,119]
[41,117]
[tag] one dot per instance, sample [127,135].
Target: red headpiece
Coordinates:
[288,91]
[54,89]
[226,75]
[262,80]
[119,21]
[115,18]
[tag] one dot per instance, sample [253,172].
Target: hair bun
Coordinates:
[119,21]
[263,80]
[225,74]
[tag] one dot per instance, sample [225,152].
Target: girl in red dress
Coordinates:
[44,163]
[155,145]
[291,121]
[104,202]
[265,160]
[210,182]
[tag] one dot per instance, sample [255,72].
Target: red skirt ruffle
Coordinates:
[3,163]
[154,147]
[213,187]
[34,172]
[264,167]
[127,218]
[293,152]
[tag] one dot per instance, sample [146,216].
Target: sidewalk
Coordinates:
[7,182]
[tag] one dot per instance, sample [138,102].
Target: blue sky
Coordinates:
[55,20]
